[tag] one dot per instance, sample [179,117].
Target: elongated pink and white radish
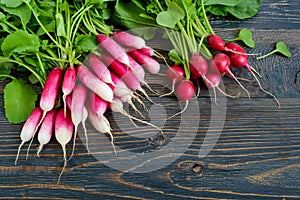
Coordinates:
[222,63]
[101,124]
[63,129]
[121,91]
[117,106]
[49,95]
[129,40]
[79,95]
[113,48]
[125,74]
[84,116]
[46,130]
[147,62]
[241,60]
[97,104]
[29,128]
[68,83]
[92,82]
[99,68]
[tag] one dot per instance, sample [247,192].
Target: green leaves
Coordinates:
[20,42]
[245,35]
[19,101]
[280,48]
[241,10]
[85,43]
[171,16]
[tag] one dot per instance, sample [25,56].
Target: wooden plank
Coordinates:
[256,155]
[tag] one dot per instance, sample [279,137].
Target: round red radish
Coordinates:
[185,90]
[215,42]
[198,65]
[175,72]
[222,62]
[213,80]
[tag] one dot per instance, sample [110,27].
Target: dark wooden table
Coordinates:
[257,154]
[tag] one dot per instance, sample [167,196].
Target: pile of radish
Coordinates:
[86,69]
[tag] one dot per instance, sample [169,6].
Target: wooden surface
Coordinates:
[256,156]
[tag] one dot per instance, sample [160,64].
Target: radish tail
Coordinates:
[172,91]
[135,109]
[140,102]
[19,149]
[148,87]
[112,142]
[228,95]
[250,68]
[233,76]
[39,150]
[65,164]
[215,96]
[269,93]
[185,107]
[142,121]
[74,142]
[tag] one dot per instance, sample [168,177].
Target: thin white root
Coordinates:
[86,137]
[112,142]
[244,79]
[269,93]
[254,70]
[65,164]
[228,95]
[135,109]
[149,88]
[74,142]
[215,96]
[182,111]
[36,128]
[233,76]
[172,89]
[142,121]
[19,149]
[140,102]
[39,150]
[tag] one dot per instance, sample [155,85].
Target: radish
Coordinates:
[137,69]
[46,130]
[49,95]
[185,90]
[96,109]
[99,68]
[147,62]
[78,100]
[92,82]
[222,62]
[129,40]
[147,51]
[68,83]
[29,128]
[175,74]
[198,65]
[125,74]
[241,60]
[113,48]
[63,129]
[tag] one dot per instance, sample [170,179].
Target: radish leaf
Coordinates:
[280,48]
[19,100]
[170,17]
[20,42]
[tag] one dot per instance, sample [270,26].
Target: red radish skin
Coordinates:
[147,62]
[99,68]
[68,83]
[129,40]
[78,100]
[113,48]
[63,129]
[147,51]
[185,90]
[222,62]
[29,128]
[214,79]
[216,42]
[175,72]
[97,104]
[46,130]
[92,82]
[137,69]
[123,72]
[198,65]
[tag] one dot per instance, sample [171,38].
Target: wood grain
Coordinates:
[257,154]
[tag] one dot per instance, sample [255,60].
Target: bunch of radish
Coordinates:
[111,76]
[226,56]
